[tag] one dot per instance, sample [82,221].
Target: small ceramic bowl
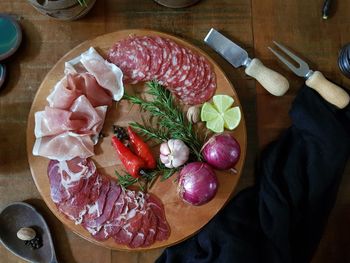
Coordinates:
[10,37]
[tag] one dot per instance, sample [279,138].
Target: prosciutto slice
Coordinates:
[72,86]
[108,75]
[65,134]
[64,146]
[81,118]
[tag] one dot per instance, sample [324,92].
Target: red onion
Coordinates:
[197,183]
[221,151]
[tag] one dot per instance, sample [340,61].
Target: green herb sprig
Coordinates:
[172,123]
[147,178]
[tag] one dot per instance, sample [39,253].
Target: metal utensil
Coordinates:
[272,81]
[314,79]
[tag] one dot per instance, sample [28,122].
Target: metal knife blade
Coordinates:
[233,53]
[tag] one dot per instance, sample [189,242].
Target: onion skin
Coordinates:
[221,151]
[197,183]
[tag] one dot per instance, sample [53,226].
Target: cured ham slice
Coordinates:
[83,110]
[81,118]
[53,126]
[103,208]
[53,121]
[72,86]
[108,75]
[67,177]
[70,185]
[64,146]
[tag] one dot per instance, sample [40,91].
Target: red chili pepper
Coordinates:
[142,149]
[132,163]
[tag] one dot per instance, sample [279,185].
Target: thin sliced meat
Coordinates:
[86,84]
[107,75]
[76,206]
[131,217]
[95,209]
[166,55]
[82,118]
[198,97]
[70,87]
[129,56]
[155,53]
[113,225]
[141,235]
[183,71]
[65,146]
[176,61]
[54,121]
[152,231]
[67,177]
[143,69]
[163,230]
[83,110]
[95,223]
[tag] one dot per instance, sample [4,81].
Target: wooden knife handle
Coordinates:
[272,81]
[328,90]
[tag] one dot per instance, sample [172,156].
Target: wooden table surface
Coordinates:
[252,23]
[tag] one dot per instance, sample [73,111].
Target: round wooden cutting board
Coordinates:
[184,220]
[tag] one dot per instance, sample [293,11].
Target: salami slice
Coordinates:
[131,57]
[166,56]
[176,61]
[141,72]
[156,57]
[184,70]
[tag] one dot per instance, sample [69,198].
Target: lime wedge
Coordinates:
[220,115]
[232,117]
[208,112]
[217,124]
[222,102]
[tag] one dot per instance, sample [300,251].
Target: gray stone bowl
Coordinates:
[18,215]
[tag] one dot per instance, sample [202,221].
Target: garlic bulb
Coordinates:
[193,114]
[174,153]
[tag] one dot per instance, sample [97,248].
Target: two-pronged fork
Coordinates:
[314,79]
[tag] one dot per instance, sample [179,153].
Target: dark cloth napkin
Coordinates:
[282,217]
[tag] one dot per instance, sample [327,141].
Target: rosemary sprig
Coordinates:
[172,123]
[147,178]
[125,180]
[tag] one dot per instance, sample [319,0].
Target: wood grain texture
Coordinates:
[121,113]
[300,27]
[252,23]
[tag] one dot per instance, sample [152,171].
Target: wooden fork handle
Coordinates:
[328,90]
[272,81]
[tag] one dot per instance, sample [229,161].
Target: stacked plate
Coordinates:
[10,39]
[344,60]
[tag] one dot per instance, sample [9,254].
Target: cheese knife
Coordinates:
[272,81]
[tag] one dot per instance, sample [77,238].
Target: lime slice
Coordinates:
[222,102]
[208,112]
[220,115]
[217,124]
[232,117]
